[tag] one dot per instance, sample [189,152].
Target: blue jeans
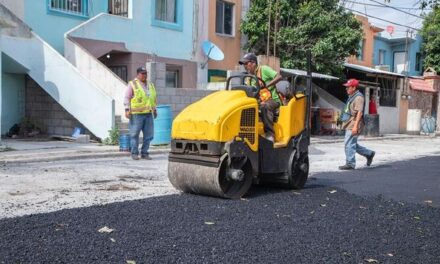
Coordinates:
[352,147]
[138,123]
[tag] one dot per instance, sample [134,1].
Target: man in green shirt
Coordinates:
[270,100]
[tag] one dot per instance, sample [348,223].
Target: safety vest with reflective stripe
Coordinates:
[266,93]
[142,102]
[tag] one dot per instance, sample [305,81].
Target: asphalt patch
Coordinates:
[315,225]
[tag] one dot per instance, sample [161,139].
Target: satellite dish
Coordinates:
[212,52]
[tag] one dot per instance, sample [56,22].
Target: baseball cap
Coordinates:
[351,82]
[247,58]
[141,70]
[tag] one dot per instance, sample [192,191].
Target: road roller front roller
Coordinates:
[218,146]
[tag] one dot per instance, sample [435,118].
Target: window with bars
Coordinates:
[173,77]
[118,7]
[224,17]
[70,7]
[120,71]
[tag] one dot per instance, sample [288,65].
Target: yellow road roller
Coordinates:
[218,148]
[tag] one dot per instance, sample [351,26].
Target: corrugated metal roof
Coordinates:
[421,85]
[371,70]
[304,73]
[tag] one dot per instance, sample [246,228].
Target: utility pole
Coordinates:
[268,28]
[275,30]
[405,67]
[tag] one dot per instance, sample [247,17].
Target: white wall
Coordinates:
[15,6]
[96,72]
[1,86]
[389,117]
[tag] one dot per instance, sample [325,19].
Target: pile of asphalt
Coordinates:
[315,225]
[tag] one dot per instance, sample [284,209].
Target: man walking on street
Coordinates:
[352,118]
[270,100]
[140,108]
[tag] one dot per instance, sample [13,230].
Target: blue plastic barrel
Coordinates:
[428,125]
[162,126]
[124,143]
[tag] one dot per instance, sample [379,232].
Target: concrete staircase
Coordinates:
[83,98]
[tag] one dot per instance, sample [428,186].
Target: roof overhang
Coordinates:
[371,70]
[421,85]
[304,73]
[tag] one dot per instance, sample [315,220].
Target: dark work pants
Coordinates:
[268,110]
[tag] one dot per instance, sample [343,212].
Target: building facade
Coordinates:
[82,65]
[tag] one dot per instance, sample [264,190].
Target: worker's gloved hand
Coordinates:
[127,114]
[155,113]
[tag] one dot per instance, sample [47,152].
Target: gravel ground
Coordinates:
[315,225]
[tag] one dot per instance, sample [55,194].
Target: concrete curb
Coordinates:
[341,139]
[70,156]
[48,156]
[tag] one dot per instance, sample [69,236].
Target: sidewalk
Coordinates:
[18,151]
[24,151]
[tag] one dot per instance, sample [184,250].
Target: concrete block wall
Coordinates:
[177,98]
[42,110]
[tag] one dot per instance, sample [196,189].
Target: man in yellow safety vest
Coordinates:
[140,108]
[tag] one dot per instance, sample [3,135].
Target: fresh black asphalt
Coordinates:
[314,225]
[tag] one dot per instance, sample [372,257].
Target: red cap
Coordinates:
[351,82]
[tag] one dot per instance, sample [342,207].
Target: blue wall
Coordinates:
[51,26]
[12,100]
[142,34]
[391,47]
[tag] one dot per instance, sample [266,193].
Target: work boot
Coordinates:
[346,167]
[134,157]
[370,158]
[146,157]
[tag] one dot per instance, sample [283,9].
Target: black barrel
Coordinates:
[371,125]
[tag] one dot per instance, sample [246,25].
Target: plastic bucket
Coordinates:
[413,121]
[428,125]
[162,126]
[124,143]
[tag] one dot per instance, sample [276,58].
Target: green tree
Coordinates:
[322,26]
[431,39]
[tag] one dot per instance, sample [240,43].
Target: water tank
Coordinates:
[413,121]
[162,125]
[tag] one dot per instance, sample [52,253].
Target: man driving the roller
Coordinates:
[269,98]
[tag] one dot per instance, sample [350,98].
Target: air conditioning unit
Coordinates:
[382,67]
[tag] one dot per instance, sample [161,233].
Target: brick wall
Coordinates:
[42,110]
[421,100]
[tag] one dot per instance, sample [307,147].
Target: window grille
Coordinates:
[74,7]
[118,7]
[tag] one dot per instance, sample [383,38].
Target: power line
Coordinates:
[399,7]
[352,10]
[395,8]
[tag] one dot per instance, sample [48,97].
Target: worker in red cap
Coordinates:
[352,122]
